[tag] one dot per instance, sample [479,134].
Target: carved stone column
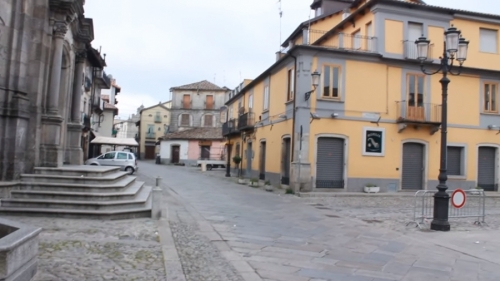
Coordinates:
[51,153]
[74,153]
[60,29]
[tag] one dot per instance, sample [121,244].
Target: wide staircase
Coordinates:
[79,192]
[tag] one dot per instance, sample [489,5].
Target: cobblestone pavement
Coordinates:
[272,236]
[91,250]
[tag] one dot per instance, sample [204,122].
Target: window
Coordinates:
[240,104]
[130,156]
[488,39]
[186,101]
[209,103]
[455,160]
[121,156]
[356,40]
[230,113]
[237,152]
[318,12]
[185,120]
[110,155]
[291,83]
[415,90]
[369,34]
[331,81]
[250,102]
[490,97]
[266,98]
[208,120]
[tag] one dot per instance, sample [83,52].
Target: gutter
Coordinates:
[294,104]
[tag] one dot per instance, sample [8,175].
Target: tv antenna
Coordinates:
[281,15]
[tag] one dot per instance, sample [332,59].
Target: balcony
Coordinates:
[418,114]
[410,50]
[246,121]
[87,84]
[102,79]
[158,119]
[151,136]
[85,121]
[98,105]
[342,41]
[230,128]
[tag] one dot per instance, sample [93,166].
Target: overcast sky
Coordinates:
[153,45]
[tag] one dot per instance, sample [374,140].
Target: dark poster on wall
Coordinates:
[373,140]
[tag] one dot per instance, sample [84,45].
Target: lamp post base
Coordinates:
[441,204]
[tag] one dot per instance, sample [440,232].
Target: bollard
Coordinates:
[157,195]
[203,167]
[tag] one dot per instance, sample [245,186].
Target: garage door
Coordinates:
[330,163]
[486,168]
[413,166]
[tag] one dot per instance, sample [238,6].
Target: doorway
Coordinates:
[413,166]
[330,163]
[262,164]
[285,159]
[486,160]
[175,154]
[150,152]
[205,152]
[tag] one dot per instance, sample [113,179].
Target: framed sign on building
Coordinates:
[373,141]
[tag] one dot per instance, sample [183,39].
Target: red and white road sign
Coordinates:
[458,198]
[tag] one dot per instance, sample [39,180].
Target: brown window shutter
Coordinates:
[185,120]
[208,120]
[210,102]
[186,102]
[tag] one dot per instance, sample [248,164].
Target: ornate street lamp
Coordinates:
[455,48]
[315,82]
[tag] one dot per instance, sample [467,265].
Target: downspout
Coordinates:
[294,105]
[387,90]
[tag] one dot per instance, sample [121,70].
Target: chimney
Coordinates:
[279,55]
[346,13]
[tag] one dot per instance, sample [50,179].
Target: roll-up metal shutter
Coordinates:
[413,166]
[454,162]
[486,168]
[330,163]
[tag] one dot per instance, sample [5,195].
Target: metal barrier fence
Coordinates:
[474,206]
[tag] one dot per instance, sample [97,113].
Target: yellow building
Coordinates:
[153,124]
[374,118]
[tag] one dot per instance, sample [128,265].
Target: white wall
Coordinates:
[166,146]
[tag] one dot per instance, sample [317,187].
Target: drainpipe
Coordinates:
[294,106]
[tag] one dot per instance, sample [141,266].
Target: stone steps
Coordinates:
[134,203]
[68,193]
[79,187]
[108,179]
[79,192]
[75,170]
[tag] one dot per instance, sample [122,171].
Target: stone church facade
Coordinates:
[43,52]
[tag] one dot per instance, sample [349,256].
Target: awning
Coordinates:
[115,141]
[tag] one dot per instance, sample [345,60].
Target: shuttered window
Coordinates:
[186,101]
[210,102]
[208,120]
[488,39]
[455,160]
[185,120]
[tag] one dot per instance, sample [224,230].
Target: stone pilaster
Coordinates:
[74,152]
[51,152]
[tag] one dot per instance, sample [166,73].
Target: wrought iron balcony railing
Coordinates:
[246,121]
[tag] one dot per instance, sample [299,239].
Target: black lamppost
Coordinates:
[455,48]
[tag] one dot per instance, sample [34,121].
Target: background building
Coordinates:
[196,105]
[153,124]
[374,116]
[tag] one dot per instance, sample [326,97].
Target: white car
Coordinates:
[125,160]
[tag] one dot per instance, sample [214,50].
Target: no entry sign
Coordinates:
[458,198]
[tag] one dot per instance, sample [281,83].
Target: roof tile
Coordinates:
[202,85]
[201,133]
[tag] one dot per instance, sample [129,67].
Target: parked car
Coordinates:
[125,160]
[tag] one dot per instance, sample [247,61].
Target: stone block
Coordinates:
[18,251]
